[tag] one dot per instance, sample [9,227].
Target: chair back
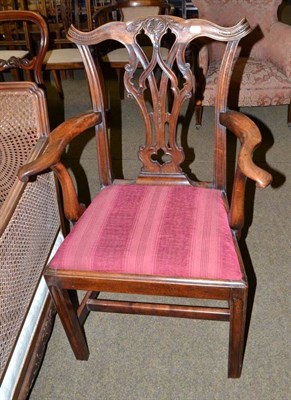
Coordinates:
[23,120]
[159,90]
[29,215]
[260,14]
[23,113]
[28,32]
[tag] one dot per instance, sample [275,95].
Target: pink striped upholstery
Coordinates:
[153,230]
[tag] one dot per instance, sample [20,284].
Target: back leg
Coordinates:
[70,321]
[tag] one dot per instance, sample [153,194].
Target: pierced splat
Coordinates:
[160,154]
[160,83]
[161,157]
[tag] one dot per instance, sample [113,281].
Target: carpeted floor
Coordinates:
[150,358]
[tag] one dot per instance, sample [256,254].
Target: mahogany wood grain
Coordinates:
[158,309]
[161,157]
[249,136]
[143,284]
[238,304]
[74,330]
[82,310]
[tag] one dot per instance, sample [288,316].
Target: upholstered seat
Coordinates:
[262,76]
[6,54]
[62,56]
[142,229]
[259,84]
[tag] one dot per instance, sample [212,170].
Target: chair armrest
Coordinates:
[277,47]
[50,159]
[250,137]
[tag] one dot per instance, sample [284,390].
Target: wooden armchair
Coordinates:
[17,49]
[262,72]
[161,234]
[29,222]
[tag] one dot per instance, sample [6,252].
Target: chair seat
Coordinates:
[153,230]
[62,56]
[121,55]
[6,54]
[258,83]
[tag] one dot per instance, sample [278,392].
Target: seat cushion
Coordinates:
[63,56]
[6,54]
[153,230]
[258,83]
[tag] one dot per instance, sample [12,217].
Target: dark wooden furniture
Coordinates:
[29,220]
[161,234]
[29,58]
[15,39]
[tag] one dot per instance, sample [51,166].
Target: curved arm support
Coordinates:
[72,208]
[50,159]
[249,136]
[57,142]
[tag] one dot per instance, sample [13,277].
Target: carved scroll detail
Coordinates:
[15,62]
[161,122]
[161,155]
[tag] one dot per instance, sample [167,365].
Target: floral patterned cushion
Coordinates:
[260,14]
[253,83]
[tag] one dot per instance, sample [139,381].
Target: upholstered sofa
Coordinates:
[262,74]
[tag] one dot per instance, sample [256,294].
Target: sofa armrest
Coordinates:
[277,47]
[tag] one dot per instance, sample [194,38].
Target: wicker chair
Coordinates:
[29,223]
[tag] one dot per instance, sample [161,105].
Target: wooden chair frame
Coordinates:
[63,283]
[34,62]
